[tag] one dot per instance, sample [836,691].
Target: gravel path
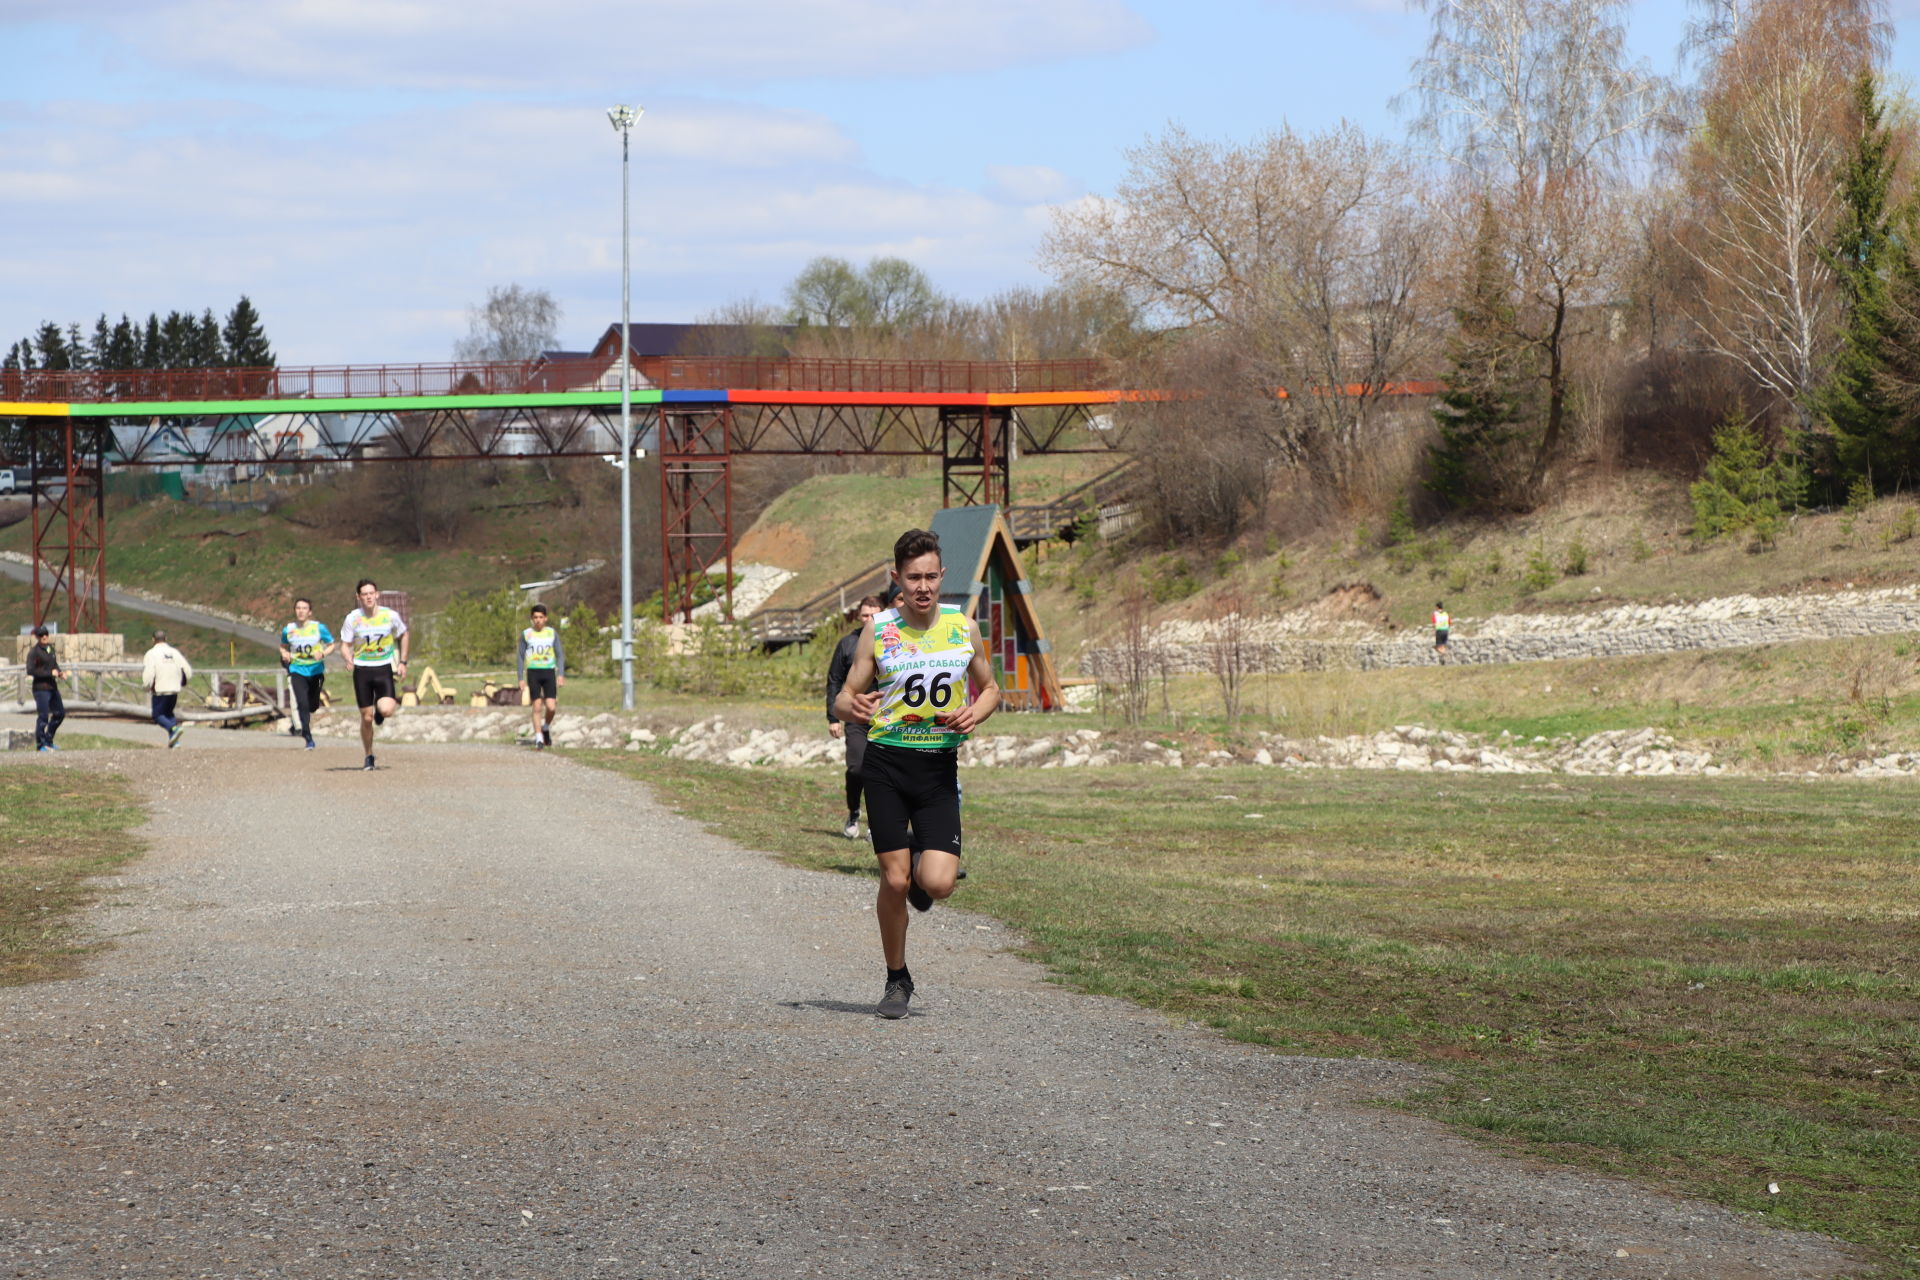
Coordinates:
[485,1013]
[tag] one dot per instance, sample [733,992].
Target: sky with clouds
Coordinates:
[365,169]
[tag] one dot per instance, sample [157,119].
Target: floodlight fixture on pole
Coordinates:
[624,118]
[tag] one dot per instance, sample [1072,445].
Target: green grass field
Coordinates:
[58,832]
[1708,985]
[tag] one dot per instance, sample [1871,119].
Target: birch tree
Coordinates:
[1760,184]
[1534,101]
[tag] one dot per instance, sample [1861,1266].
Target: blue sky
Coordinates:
[365,169]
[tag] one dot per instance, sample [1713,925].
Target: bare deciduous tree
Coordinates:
[1533,99]
[1532,90]
[1296,261]
[1759,182]
[1230,651]
[512,324]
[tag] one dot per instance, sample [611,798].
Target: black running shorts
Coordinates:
[913,797]
[370,684]
[543,682]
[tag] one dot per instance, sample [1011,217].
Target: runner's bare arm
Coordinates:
[987,701]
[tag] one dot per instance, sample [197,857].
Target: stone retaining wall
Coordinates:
[1729,623]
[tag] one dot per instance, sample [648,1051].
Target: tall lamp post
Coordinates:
[624,119]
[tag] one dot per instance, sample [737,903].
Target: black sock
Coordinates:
[900,975]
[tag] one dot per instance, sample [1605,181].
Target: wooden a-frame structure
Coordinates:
[985,581]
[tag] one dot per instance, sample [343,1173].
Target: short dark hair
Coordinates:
[913,544]
[307,600]
[866,602]
[160,637]
[363,584]
[539,608]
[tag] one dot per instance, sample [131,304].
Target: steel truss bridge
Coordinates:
[699,413]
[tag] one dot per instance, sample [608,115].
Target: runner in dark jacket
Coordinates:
[855,734]
[43,669]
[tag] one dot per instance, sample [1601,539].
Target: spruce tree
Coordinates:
[245,338]
[1869,252]
[1482,409]
[50,341]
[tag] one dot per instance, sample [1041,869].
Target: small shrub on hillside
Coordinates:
[588,654]
[1541,571]
[1496,567]
[1747,485]
[1170,578]
[1641,551]
[1400,530]
[1459,578]
[1575,563]
[716,659]
[1902,529]
[1229,561]
[1859,498]
[477,630]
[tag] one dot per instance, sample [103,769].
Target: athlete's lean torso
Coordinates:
[372,638]
[305,641]
[922,674]
[540,648]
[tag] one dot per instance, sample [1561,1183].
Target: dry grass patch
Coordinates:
[60,829]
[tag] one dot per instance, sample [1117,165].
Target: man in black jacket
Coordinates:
[43,669]
[855,734]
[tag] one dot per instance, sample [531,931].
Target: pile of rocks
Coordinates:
[1300,641]
[419,724]
[1639,752]
[1645,753]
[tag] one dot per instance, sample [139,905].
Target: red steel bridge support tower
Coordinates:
[69,526]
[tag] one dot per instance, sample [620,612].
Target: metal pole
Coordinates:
[623,118]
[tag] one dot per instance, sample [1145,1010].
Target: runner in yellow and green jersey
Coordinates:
[1442,625]
[304,645]
[375,638]
[909,685]
[543,669]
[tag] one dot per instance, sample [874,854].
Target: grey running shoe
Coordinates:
[175,734]
[852,830]
[917,898]
[894,1003]
[368,766]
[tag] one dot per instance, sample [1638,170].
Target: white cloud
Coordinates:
[597,44]
[367,242]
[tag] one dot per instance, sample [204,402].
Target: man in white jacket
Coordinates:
[165,673]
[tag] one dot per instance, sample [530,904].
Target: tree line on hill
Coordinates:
[1596,261]
[179,340]
[1590,258]
[1716,272]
